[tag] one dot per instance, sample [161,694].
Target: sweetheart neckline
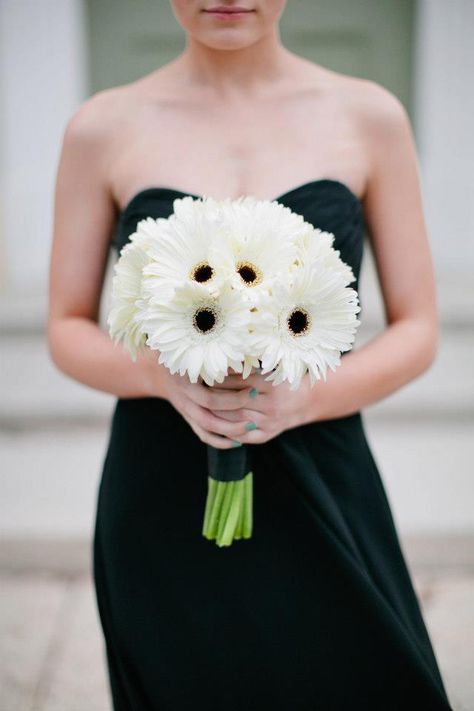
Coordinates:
[319,181]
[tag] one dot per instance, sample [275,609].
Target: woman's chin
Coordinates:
[228,39]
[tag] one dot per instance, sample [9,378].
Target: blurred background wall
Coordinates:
[54,54]
[53,431]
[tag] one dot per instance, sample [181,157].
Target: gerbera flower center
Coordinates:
[205,319]
[202,272]
[298,321]
[249,273]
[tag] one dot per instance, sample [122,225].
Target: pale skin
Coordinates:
[237,113]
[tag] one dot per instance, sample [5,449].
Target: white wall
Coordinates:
[444,110]
[43,68]
[42,81]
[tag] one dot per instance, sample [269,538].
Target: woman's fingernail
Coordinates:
[236,444]
[253,392]
[250,426]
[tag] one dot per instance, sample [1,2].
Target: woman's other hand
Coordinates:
[197,404]
[266,410]
[237,411]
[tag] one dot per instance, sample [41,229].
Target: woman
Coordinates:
[317,609]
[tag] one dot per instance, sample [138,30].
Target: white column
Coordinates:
[42,81]
[444,110]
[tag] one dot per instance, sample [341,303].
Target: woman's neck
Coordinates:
[229,71]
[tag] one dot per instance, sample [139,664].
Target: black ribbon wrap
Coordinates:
[228,464]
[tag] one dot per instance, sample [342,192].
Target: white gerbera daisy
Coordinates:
[314,244]
[124,318]
[199,332]
[148,231]
[306,325]
[181,250]
[258,243]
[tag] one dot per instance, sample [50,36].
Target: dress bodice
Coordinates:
[327,204]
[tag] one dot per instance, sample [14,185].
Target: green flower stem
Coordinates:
[228,515]
[211,493]
[240,519]
[228,533]
[244,507]
[247,524]
[229,490]
[216,506]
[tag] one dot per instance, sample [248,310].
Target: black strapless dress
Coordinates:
[316,612]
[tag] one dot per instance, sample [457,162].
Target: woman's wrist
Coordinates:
[310,409]
[152,374]
[366,375]
[324,401]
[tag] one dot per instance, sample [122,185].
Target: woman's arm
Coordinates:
[84,217]
[397,232]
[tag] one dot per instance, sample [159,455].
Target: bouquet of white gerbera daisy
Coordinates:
[234,284]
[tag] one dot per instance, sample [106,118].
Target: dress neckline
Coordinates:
[289,193]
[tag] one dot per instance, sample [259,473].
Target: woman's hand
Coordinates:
[267,410]
[197,404]
[231,413]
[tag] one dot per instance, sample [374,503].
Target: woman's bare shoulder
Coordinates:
[98,115]
[368,100]
[378,112]
[378,117]
[94,133]
[373,108]
[106,113]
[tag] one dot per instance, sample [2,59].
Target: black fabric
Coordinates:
[315,612]
[228,464]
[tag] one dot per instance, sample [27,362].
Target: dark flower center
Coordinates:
[298,321]
[202,272]
[249,273]
[204,319]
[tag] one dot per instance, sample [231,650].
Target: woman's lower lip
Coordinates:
[227,15]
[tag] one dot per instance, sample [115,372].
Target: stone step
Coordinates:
[70,557]
[26,312]
[50,477]
[35,391]
[50,629]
